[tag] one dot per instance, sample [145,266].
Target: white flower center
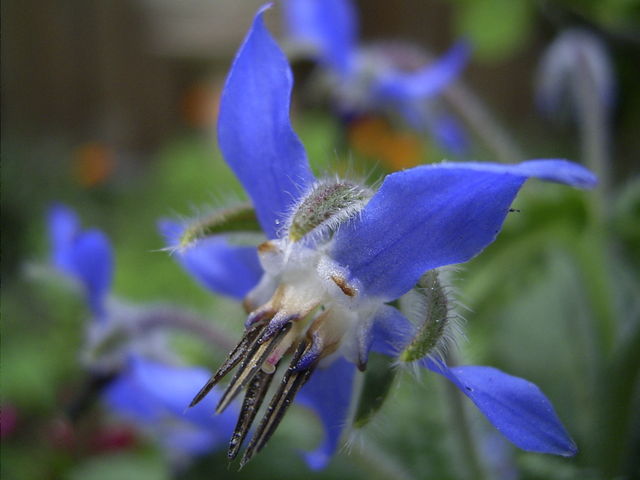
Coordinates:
[305,286]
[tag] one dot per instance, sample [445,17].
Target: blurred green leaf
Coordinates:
[119,467]
[497,28]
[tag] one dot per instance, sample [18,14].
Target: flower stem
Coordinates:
[378,463]
[594,140]
[468,455]
[485,125]
[594,132]
[176,319]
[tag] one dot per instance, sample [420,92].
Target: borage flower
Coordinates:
[393,78]
[126,354]
[337,253]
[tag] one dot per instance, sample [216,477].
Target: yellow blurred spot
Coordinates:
[374,137]
[93,163]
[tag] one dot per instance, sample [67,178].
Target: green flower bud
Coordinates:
[327,205]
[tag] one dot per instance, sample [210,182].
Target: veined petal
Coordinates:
[329,26]
[254,130]
[516,407]
[436,215]
[328,393]
[217,265]
[426,82]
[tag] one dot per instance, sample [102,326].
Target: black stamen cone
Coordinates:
[234,357]
[291,383]
[256,355]
[253,399]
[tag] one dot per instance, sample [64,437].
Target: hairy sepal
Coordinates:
[235,219]
[431,305]
[327,204]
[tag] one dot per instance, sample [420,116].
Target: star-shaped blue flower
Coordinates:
[326,274]
[150,393]
[389,78]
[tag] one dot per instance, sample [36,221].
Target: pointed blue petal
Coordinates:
[436,215]
[426,82]
[329,26]
[328,393]
[215,264]
[254,130]
[516,407]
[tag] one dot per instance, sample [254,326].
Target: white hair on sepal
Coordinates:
[377,424]
[375,428]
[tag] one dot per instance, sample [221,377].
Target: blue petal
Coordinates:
[330,26]
[449,134]
[156,395]
[436,215]
[223,268]
[174,387]
[93,264]
[426,82]
[389,333]
[516,407]
[63,225]
[328,394]
[443,128]
[85,255]
[127,398]
[254,130]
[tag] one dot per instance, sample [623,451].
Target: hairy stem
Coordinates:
[378,462]
[468,455]
[485,125]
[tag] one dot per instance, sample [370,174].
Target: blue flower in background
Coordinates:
[153,395]
[385,77]
[84,255]
[336,253]
[575,65]
[148,392]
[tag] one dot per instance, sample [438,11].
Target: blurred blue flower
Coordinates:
[337,252]
[148,392]
[387,77]
[85,255]
[153,395]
